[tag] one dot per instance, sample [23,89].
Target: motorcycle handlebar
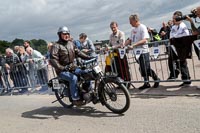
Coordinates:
[90,61]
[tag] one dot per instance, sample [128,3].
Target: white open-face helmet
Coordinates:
[63,29]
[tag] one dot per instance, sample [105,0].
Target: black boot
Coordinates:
[156,83]
[145,86]
[174,75]
[156,79]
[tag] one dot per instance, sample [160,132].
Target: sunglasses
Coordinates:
[65,33]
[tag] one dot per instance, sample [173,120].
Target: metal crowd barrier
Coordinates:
[25,76]
[158,61]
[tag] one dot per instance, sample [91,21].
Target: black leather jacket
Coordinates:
[63,53]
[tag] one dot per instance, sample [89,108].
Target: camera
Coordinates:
[191,15]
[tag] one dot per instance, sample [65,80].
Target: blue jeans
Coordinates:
[87,84]
[72,79]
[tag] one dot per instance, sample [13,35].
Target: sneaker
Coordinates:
[171,78]
[156,84]
[174,76]
[78,102]
[185,85]
[23,91]
[145,86]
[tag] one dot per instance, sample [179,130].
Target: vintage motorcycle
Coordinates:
[107,90]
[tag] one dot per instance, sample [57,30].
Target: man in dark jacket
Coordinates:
[62,56]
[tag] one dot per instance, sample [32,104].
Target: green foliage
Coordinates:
[17,42]
[3,46]
[39,45]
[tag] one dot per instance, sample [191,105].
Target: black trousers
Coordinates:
[145,68]
[177,65]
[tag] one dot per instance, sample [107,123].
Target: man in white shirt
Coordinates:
[179,29]
[138,40]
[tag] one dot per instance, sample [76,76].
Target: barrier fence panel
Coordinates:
[25,76]
[158,55]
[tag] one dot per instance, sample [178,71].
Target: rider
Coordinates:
[62,55]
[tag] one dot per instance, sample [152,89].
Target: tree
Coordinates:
[39,45]
[3,46]
[17,42]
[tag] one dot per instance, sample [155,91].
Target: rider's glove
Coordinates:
[66,68]
[70,67]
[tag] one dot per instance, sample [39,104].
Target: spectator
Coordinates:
[77,44]
[117,40]
[16,50]
[170,24]
[22,54]
[15,68]
[4,73]
[36,59]
[195,30]
[49,46]
[2,63]
[164,31]
[154,36]
[178,30]
[138,40]
[27,44]
[87,45]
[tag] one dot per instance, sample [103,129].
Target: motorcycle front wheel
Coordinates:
[63,96]
[115,96]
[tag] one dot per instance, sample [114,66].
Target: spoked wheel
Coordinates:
[63,95]
[115,96]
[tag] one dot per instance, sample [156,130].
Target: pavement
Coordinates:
[168,89]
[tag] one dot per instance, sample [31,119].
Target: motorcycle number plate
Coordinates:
[97,69]
[56,84]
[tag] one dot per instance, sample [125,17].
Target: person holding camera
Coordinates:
[195,13]
[195,31]
[179,29]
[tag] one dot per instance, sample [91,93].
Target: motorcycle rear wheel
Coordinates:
[63,97]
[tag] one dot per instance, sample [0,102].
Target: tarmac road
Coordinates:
[147,114]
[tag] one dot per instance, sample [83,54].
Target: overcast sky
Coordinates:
[40,19]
